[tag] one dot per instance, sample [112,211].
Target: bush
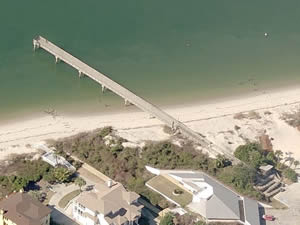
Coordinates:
[77,164]
[34,170]
[290,174]
[105,131]
[166,155]
[167,219]
[178,191]
[127,165]
[26,171]
[187,219]
[61,174]
[253,155]
[49,177]
[241,178]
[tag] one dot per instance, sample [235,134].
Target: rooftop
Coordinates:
[21,208]
[210,198]
[266,168]
[166,187]
[114,202]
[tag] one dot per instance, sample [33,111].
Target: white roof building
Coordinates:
[212,200]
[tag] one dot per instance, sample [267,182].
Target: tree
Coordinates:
[241,177]
[271,159]
[290,174]
[61,174]
[49,177]
[18,183]
[288,157]
[37,195]
[291,160]
[80,182]
[279,155]
[222,161]
[255,159]
[296,163]
[250,153]
[167,219]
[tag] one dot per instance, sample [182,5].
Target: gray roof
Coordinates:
[251,212]
[224,204]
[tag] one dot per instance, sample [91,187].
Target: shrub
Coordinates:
[33,170]
[61,174]
[105,131]
[49,177]
[167,219]
[241,178]
[178,191]
[290,174]
[253,155]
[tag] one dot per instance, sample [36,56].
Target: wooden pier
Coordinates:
[128,96]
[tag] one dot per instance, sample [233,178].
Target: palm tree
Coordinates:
[292,160]
[61,174]
[288,157]
[80,182]
[296,163]
[278,154]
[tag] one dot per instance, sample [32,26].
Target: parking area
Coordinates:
[291,198]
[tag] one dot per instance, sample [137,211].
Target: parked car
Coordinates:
[268,217]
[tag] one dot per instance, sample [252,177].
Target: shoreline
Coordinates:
[102,111]
[211,118]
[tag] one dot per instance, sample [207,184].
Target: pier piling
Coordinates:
[103,88]
[56,59]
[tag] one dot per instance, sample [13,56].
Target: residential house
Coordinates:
[211,199]
[21,209]
[107,204]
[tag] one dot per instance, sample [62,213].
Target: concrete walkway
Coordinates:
[60,191]
[58,214]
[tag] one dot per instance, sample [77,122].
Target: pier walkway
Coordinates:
[128,96]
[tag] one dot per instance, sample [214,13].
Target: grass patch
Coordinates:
[167,188]
[67,198]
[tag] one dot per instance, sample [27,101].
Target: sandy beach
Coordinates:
[216,120]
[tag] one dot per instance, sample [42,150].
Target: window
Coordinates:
[81,206]
[79,212]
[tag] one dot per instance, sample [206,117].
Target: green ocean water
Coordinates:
[169,51]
